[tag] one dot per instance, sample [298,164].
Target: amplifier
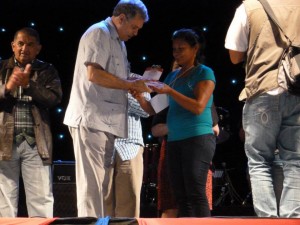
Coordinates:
[64,189]
[64,172]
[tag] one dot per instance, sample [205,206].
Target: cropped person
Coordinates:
[270,114]
[166,202]
[97,109]
[28,88]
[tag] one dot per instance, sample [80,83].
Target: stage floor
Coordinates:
[151,221]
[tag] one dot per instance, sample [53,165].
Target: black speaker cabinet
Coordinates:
[64,189]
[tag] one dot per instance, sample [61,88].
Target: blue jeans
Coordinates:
[188,162]
[37,180]
[273,122]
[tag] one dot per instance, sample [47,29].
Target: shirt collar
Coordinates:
[112,28]
[19,65]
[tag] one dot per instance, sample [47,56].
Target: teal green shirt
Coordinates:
[182,123]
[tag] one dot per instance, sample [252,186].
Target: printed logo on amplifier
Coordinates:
[64,173]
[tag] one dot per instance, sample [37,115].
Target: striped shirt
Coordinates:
[127,148]
[24,121]
[23,118]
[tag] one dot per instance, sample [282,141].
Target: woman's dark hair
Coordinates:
[192,37]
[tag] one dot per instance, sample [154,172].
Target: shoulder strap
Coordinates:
[272,16]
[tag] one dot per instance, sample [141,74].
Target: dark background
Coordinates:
[153,41]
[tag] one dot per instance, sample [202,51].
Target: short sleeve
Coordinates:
[96,42]
[237,34]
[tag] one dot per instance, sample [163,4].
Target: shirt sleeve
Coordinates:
[204,73]
[237,34]
[96,46]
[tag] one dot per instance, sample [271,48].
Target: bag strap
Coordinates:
[273,18]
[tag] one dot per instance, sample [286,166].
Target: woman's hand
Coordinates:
[159,87]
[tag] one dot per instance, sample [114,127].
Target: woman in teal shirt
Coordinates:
[191,142]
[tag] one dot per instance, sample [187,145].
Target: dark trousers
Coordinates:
[188,163]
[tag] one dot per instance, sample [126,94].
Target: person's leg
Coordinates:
[261,122]
[37,179]
[209,189]
[128,184]
[197,153]
[109,191]
[169,213]
[176,177]
[289,151]
[166,202]
[189,162]
[277,175]
[93,151]
[9,185]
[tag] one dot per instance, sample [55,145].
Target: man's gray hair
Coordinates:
[131,8]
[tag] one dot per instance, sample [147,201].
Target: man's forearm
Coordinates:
[236,57]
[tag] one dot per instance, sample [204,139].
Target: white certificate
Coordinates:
[152,73]
[159,102]
[156,84]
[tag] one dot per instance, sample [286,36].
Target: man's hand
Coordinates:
[18,78]
[140,86]
[25,76]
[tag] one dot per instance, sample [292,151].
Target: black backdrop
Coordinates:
[75,16]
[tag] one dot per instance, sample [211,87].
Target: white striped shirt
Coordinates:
[127,148]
